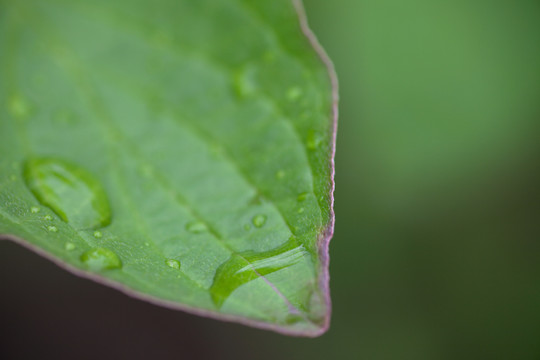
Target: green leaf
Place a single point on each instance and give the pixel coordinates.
(179, 151)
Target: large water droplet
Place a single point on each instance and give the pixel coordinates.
(172, 263)
(259, 220)
(245, 267)
(74, 194)
(101, 259)
(196, 227)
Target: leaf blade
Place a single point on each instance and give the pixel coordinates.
(132, 99)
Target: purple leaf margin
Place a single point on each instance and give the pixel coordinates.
(323, 241)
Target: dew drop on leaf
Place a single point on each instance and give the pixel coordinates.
(294, 93)
(314, 140)
(73, 193)
(172, 263)
(302, 197)
(47, 217)
(52, 228)
(101, 259)
(259, 220)
(98, 234)
(34, 209)
(69, 246)
(196, 227)
(19, 107)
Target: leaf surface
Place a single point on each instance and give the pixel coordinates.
(180, 151)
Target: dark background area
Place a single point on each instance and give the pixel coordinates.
(437, 244)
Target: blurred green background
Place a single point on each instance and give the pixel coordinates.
(437, 244)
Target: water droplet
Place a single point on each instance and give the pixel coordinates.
(314, 140)
(65, 116)
(47, 217)
(280, 174)
(69, 246)
(196, 227)
(245, 267)
(259, 220)
(34, 209)
(302, 197)
(12, 177)
(70, 191)
(245, 83)
(293, 319)
(98, 234)
(19, 107)
(147, 244)
(301, 210)
(101, 259)
(172, 263)
(52, 228)
(294, 93)
(247, 227)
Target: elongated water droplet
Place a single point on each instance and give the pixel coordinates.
(98, 234)
(314, 140)
(74, 194)
(245, 267)
(172, 263)
(69, 246)
(101, 259)
(34, 209)
(52, 228)
(196, 227)
(259, 220)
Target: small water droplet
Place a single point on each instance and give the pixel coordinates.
(280, 174)
(259, 220)
(34, 209)
(147, 244)
(19, 107)
(294, 93)
(314, 140)
(47, 217)
(69, 246)
(101, 259)
(98, 234)
(52, 228)
(245, 83)
(196, 227)
(302, 197)
(301, 210)
(65, 116)
(172, 263)
(74, 194)
(247, 227)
